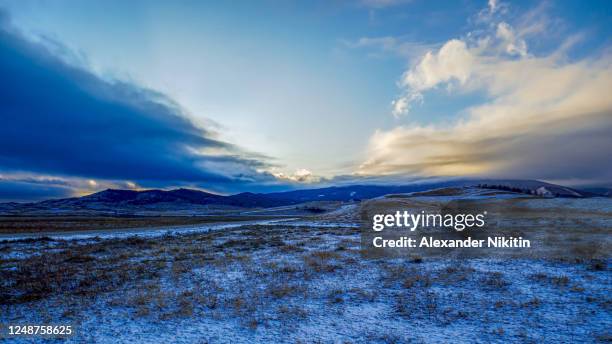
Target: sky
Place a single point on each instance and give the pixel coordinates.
(274, 95)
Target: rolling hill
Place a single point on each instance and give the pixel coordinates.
(190, 201)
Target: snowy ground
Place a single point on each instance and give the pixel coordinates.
(304, 282)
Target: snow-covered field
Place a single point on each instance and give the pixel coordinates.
(139, 232)
(301, 282)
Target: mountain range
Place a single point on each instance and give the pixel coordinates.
(115, 201)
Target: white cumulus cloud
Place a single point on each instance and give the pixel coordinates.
(544, 116)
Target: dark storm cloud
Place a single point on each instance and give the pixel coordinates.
(27, 190)
(58, 119)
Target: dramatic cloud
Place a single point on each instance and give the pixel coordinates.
(28, 189)
(61, 120)
(543, 116)
(24, 187)
(299, 176)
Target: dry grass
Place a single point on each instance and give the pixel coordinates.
(37, 224)
(167, 278)
(261, 277)
(285, 290)
(288, 312)
(322, 261)
(559, 281)
(494, 281)
(454, 274)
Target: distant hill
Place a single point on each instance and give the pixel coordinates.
(602, 191)
(148, 196)
(537, 188)
(189, 201)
